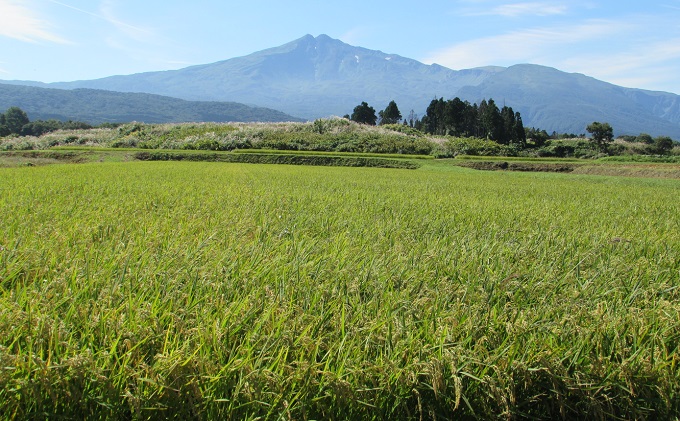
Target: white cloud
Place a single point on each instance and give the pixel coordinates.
(529, 9)
(522, 46)
(18, 21)
(355, 36)
(640, 51)
(516, 9)
(107, 10)
(651, 64)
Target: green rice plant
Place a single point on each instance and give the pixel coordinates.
(204, 290)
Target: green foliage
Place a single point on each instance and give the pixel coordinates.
(15, 119)
(323, 135)
(403, 129)
(204, 291)
(462, 119)
(364, 114)
(643, 158)
(644, 138)
(569, 148)
(105, 106)
(663, 144)
(290, 159)
(454, 146)
(602, 133)
(391, 114)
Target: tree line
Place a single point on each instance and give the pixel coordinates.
(15, 121)
(453, 117)
(504, 126)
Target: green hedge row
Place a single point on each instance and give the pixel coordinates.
(317, 160)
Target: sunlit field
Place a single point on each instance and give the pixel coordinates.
(198, 290)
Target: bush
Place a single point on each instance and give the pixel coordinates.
(455, 146)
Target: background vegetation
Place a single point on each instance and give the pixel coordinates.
(99, 106)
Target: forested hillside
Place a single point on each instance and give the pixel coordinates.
(98, 106)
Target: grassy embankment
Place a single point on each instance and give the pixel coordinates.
(322, 142)
(203, 290)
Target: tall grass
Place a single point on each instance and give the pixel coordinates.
(330, 135)
(225, 291)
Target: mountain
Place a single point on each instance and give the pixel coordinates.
(567, 102)
(309, 77)
(98, 106)
(319, 76)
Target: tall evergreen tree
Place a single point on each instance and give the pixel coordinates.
(520, 135)
(490, 120)
(4, 130)
(391, 114)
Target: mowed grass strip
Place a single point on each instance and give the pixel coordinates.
(230, 291)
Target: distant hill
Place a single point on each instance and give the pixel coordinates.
(319, 76)
(99, 106)
(567, 102)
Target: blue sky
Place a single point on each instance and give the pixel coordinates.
(630, 43)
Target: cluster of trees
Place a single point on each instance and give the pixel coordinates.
(15, 121)
(460, 118)
(659, 144)
(365, 114)
(603, 134)
(453, 118)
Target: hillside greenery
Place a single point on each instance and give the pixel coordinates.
(327, 135)
(99, 106)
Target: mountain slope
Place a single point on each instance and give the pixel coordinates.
(317, 77)
(567, 102)
(98, 106)
(309, 77)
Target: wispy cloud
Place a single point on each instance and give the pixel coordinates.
(107, 10)
(106, 14)
(522, 46)
(18, 21)
(515, 9)
(355, 36)
(645, 64)
(529, 9)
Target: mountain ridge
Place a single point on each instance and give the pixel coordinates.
(314, 77)
(99, 106)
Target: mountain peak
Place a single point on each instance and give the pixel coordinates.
(318, 76)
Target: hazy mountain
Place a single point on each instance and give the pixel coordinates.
(567, 102)
(309, 77)
(317, 77)
(98, 106)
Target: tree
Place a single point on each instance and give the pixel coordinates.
(412, 118)
(391, 114)
(644, 138)
(15, 119)
(537, 136)
(4, 130)
(602, 133)
(519, 136)
(663, 144)
(490, 120)
(364, 114)
(434, 117)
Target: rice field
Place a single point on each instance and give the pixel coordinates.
(198, 290)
